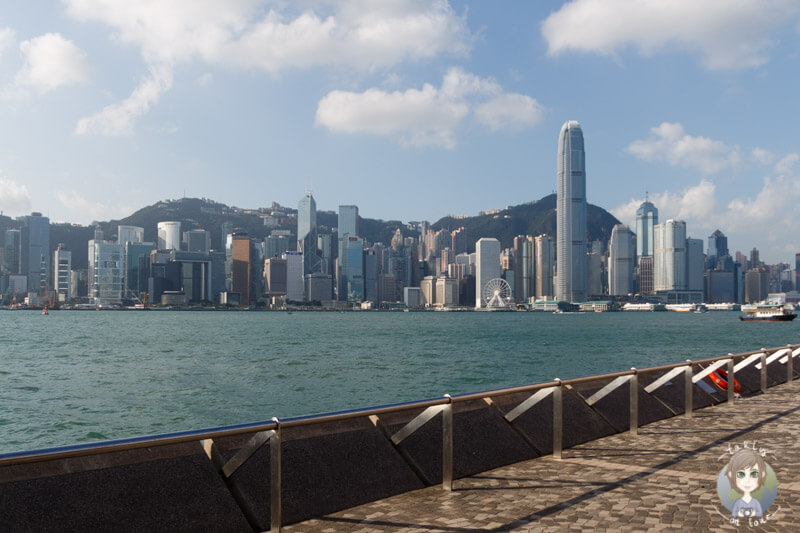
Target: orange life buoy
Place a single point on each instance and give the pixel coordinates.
(720, 379)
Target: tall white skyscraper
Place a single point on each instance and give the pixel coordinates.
(487, 251)
(169, 235)
(646, 219)
(620, 261)
(669, 256)
(571, 215)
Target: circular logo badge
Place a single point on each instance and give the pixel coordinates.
(747, 486)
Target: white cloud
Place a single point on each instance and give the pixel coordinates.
(14, 198)
(726, 34)
(428, 116)
(249, 34)
(50, 62)
(79, 207)
(765, 157)
(118, 119)
(765, 219)
(786, 164)
(6, 39)
(670, 143)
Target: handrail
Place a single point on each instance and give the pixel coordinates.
(132, 443)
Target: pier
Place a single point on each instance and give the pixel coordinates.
(634, 450)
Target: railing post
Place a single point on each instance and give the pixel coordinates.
(634, 403)
(763, 371)
(731, 381)
(558, 420)
(688, 392)
(447, 444)
(789, 365)
(275, 479)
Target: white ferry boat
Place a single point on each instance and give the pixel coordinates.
(767, 311)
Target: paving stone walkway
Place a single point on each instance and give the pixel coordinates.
(664, 479)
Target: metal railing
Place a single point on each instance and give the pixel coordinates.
(270, 432)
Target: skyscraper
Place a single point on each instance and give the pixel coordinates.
(646, 219)
(169, 235)
(307, 234)
(717, 248)
(487, 251)
(571, 214)
(35, 252)
(669, 252)
(620, 261)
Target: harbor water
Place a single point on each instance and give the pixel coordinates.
(83, 376)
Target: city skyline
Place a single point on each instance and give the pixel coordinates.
(112, 106)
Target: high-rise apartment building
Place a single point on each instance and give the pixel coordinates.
(169, 235)
(669, 257)
(620, 261)
(571, 215)
(646, 219)
(524, 267)
(487, 260)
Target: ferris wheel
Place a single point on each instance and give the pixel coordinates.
(496, 293)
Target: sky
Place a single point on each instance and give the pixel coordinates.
(409, 109)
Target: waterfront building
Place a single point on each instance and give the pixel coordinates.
(169, 235)
(388, 288)
(756, 285)
(35, 252)
(294, 276)
(370, 271)
(596, 275)
(695, 264)
(427, 288)
(351, 274)
(106, 272)
(17, 285)
(447, 258)
(275, 277)
(412, 297)
(137, 266)
(571, 215)
(646, 281)
(524, 267)
(720, 286)
(646, 219)
(446, 291)
(620, 261)
(487, 264)
(669, 256)
(62, 279)
(12, 249)
(543, 264)
(127, 234)
(307, 234)
(318, 287)
(241, 257)
(197, 240)
(347, 227)
(797, 272)
(226, 228)
(325, 251)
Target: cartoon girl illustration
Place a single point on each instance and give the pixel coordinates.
(747, 473)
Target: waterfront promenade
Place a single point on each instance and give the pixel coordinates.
(664, 479)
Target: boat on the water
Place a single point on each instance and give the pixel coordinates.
(767, 311)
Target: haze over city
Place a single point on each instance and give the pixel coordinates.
(410, 110)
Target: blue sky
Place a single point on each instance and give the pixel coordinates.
(410, 110)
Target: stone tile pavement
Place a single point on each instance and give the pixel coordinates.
(664, 479)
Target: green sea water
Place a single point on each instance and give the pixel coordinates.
(81, 376)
